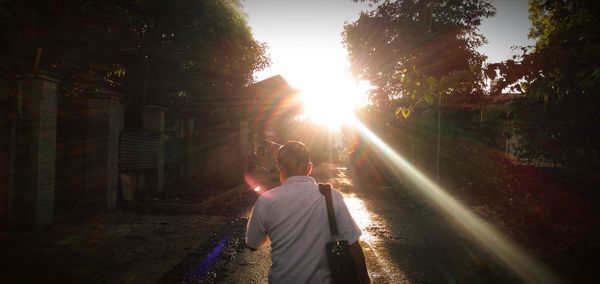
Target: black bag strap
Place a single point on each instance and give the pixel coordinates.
(325, 189)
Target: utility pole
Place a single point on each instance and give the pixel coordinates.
(439, 124)
(439, 127)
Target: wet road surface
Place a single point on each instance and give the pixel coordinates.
(404, 240)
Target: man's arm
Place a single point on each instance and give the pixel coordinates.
(359, 261)
(255, 230)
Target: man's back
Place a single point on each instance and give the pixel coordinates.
(294, 217)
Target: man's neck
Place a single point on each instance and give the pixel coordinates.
(283, 178)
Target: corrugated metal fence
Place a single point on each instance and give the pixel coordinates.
(138, 150)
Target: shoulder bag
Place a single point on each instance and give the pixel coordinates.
(341, 263)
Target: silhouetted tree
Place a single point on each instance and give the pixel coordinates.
(183, 54)
(558, 112)
(413, 51)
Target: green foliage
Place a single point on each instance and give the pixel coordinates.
(179, 53)
(558, 111)
(404, 111)
(414, 51)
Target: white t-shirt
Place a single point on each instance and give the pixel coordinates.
(294, 217)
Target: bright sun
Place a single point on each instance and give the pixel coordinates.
(329, 92)
(332, 100)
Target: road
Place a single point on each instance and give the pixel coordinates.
(405, 241)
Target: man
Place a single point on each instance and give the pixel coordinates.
(293, 217)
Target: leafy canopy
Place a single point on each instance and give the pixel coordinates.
(413, 51)
(177, 53)
(559, 108)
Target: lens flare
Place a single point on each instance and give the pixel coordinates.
(507, 252)
(253, 184)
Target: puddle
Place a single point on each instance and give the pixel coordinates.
(361, 215)
(374, 232)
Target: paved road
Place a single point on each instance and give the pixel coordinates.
(404, 241)
(420, 244)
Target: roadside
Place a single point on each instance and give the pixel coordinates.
(117, 247)
(224, 253)
(122, 246)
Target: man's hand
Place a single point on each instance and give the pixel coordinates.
(359, 261)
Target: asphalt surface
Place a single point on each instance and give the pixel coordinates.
(404, 240)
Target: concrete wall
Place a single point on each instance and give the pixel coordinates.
(219, 157)
(64, 152)
(71, 151)
(88, 149)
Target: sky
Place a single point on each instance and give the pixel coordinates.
(508, 28)
(305, 47)
(304, 37)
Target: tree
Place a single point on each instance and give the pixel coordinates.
(413, 51)
(558, 110)
(183, 54)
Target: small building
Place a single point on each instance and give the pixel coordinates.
(271, 105)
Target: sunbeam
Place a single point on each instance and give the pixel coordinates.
(514, 257)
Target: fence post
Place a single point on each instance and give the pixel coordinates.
(104, 116)
(5, 145)
(190, 169)
(154, 120)
(35, 151)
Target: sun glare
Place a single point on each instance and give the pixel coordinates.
(515, 257)
(332, 101)
(330, 94)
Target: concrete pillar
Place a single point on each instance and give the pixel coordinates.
(154, 120)
(35, 151)
(5, 164)
(104, 116)
(190, 156)
(244, 150)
